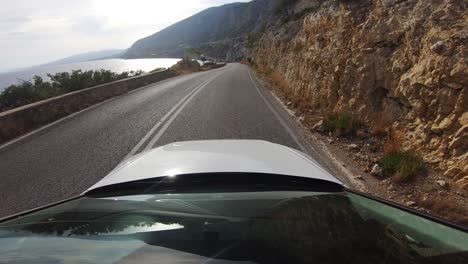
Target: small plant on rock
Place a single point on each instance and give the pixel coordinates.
(341, 123)
(400, 165)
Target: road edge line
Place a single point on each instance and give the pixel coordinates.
(278, 116)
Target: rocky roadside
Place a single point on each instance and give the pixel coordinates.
(358, 155)
(402, 62)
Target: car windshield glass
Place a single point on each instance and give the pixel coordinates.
(227, 227)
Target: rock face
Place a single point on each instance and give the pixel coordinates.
(405, 59)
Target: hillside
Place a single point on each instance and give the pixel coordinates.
(88, 56)
(219, 32)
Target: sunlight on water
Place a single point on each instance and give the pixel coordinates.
(116, 65)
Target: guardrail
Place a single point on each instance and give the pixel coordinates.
(21, 120)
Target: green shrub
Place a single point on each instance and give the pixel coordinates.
(60, 83)
(186, 65)
(158, 69)
(402, 165)
(341, 123)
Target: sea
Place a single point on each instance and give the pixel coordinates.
(115, 65)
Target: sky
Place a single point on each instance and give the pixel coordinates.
(33, 32)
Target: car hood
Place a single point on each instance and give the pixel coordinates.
(216, 156)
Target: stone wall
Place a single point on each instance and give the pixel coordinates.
(405, 60)
(21, 120)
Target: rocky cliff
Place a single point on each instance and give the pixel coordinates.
(402, 60)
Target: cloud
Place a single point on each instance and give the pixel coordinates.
(34, 32)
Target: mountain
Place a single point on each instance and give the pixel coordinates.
(88, 56)
(219, 32)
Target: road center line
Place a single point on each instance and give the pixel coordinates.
(145, 138)
(168, 123)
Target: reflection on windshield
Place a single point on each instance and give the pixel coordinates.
(260, 227)
(155, 227)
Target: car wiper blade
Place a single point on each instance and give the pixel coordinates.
(216, 182)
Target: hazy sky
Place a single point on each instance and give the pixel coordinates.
(34, 32)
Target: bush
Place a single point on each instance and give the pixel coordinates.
(158, 69)
(17, 95)
(402, 165)
(60, 83)
(341, 123)
(186, 65)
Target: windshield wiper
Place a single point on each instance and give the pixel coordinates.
(216, 182)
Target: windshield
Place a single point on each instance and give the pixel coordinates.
(227, 227)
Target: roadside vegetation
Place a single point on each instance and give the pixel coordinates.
(341, 123)
(186, 65)
(38, 89)
(189, 65)
(158, 69)
(399, 164)
(402, 165)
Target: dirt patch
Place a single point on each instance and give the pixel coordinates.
(359, 152)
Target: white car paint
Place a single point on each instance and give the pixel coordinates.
(191, 157)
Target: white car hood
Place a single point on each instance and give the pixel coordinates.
(192, 157)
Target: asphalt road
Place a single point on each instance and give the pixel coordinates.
(69, 156)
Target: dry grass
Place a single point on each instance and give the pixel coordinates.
(245, 61)
(400, 165)
(279, 81)
(381, 124)
(260, 67)
(300, 102)
(393, 142)
(445, 208)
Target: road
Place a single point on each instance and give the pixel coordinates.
(66, 158)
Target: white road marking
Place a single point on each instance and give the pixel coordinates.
(166, 126)
(280, 119)
(76, 113)
(145, 138)
(54, 123)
